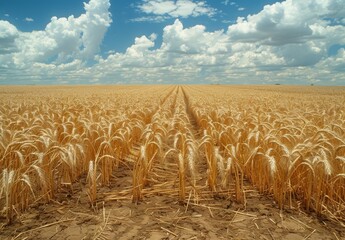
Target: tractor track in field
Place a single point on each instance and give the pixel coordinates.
(192, 120)
(201, 163)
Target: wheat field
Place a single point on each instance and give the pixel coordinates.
(183, 142)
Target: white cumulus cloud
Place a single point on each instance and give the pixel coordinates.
(286, 22)
(8, 34)
(297, 31)
(63, 39)
(193, 40)
(142, 44)
(177, 8)
(287, 42)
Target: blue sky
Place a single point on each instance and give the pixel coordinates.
(172, 42)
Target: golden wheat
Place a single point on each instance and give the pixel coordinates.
(288, 145)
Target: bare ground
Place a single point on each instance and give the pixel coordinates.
(161, 216)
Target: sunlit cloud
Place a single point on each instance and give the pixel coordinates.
(174, 9)
(287, 41)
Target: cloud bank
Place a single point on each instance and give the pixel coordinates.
(287, 42)
(64, 40)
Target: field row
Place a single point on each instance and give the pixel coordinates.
(184, 141)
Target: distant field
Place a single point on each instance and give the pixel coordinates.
(196, 145)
